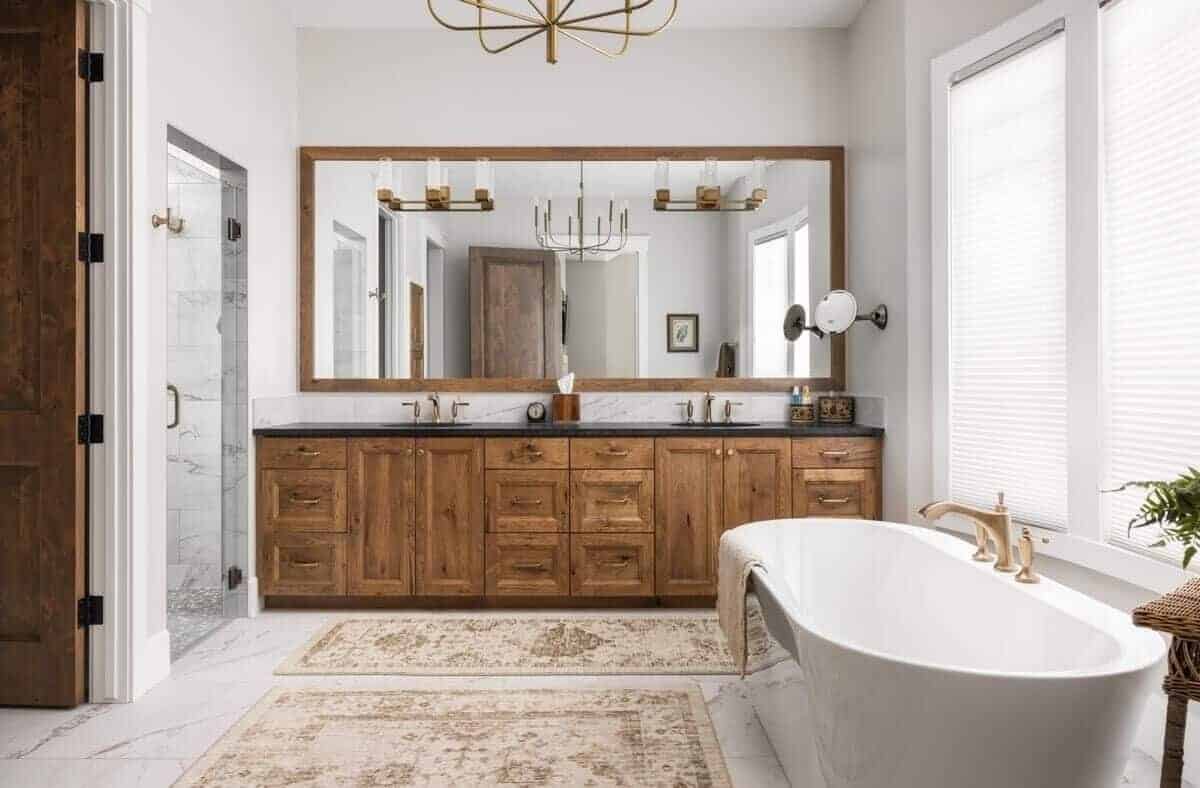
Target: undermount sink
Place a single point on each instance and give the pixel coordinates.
(425, 424)
(722, 424)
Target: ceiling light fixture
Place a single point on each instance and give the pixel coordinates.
(708, 191)
(553, 21)
(576, 242)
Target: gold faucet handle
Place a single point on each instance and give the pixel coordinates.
(416, 406)
(1000, 506)
(982, 553)
(1026, 552)
(689, 411)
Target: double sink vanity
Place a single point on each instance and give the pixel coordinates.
(407, 285)
(543, 514)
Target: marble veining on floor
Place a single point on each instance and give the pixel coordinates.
(151, 743)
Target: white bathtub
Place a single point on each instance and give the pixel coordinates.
(916, 666)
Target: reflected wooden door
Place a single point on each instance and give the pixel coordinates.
(42, 379)
(416, 323)
(516, 313)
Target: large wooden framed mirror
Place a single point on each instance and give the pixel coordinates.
(394, 297)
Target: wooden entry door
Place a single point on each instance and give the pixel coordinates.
(516, 313)
(42, 378)
(416, 329)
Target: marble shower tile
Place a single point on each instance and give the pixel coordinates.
(199, 312)
(200, 207)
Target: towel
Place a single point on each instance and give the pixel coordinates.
(735, 562)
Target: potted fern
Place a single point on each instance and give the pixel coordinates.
(1174, 507)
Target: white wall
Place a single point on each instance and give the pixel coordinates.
(394, 87)
(223, 72)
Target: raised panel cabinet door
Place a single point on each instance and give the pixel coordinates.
(516, 313)
(607, 565)
(527, 501)
(450, 527)
(689, 516)
(839, 493)
(528, 565)
(299, 564)
(311, 500)
(43, 207)
(382, 515)
(758, 480)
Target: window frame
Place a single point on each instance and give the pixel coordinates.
(786, 227)
(1085, 540)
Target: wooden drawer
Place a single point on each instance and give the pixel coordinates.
(612, 501)
(835, 452)
(847, 493)
(527, 453)
(313, 500)
(296, 563)
(612, 565)
(528, 565)
(302, 453)
(612, 453)
(527, 501)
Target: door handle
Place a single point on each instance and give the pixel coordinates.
(174, 392)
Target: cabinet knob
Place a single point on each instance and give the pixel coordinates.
(716, 452)
(420, 452)
(730, 452)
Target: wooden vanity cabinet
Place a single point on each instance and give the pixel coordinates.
(837, 477)
(449, 517)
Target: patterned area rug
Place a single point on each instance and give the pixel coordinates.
(472, 737)
(506, 645)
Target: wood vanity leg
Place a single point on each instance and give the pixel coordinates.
(1172, 765)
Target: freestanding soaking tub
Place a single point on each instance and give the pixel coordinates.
(916, 667)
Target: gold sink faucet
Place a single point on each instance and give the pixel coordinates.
(996, 524)
(437, 408)
(709, 399)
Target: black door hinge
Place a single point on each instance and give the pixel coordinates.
(91, 66)
(91, 248)
(235, 577)
(91, 428)
(233, 230)
(91, 611)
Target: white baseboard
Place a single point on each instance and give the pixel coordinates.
(253, 600)
(153, 664)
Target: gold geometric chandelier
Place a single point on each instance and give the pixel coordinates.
(553, 21)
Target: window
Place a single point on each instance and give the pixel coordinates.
(778, 278)
(1008, 354)
(1151, 273)
(1066, 269)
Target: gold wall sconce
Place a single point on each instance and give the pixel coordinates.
(708, 191)
(174, 223)
(438, 197)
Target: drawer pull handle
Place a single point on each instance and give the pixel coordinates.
(305, 564)
(612, 501)
(835, 455)
(525, 501)
(832, 501)
(303, 452)
(614, 452)
(529, 566)
(616, 564)
(304, 501)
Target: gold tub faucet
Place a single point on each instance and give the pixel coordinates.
(996, 524)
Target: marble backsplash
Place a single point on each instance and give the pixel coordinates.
(510, 408)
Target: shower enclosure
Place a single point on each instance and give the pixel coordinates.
(207, 494)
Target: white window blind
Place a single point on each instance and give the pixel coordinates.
(1151, 270)
(1008, 356)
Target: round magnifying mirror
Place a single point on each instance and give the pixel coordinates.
(837, 311)
(794, 322)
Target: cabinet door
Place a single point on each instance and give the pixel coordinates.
(612, 501)
(299, 564)
(758, 483)
(849, 492)
(449, 504)
(688, 515)
(304, 500)
(612, 565)
(528, 565)
(382, 491)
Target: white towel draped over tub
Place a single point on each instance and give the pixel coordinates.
(740, 615)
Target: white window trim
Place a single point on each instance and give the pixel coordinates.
(784, 228)
(1084, 542)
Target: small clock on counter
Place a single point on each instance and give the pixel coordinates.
(536, 413)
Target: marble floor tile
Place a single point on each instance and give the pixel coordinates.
(150, 743)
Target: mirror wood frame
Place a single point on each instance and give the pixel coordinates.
(310, 155)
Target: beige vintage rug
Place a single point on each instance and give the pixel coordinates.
(364, 738)
(507, 645)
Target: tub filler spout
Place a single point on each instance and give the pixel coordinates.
(996, 524)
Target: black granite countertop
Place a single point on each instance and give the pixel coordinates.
(580, 430)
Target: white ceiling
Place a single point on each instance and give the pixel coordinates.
(693, 14)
